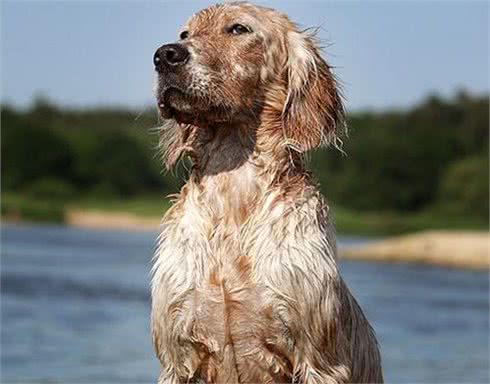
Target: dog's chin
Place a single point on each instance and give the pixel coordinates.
(188, 109)
(172, 103)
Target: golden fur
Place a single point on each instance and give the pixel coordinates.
(245, 285)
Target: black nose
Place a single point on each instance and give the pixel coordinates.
(170, 55)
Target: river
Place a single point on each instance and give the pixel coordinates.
(75, 309)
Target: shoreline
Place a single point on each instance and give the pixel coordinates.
(93, 219)
(463, 249)
(453, 249)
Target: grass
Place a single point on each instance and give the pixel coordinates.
(17, 207)
(23, 207)
(391, 223)
(147, 206)
(28, 208)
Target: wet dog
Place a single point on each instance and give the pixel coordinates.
(245, 285)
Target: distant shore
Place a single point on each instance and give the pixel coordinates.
(145, 212)
(457, 249)
(110, 220)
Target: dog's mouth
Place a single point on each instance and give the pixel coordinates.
(174, 103)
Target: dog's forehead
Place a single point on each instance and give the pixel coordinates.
(220, 15)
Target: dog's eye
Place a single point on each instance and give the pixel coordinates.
(184, 35)
(239, 29)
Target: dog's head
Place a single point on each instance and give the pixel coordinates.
(238, 61)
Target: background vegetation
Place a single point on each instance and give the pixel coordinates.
(426, 167)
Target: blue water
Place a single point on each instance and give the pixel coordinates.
(75, 309)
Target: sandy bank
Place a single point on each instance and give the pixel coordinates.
(459, 249)
(111, 220)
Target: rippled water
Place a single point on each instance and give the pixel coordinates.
(75, 309)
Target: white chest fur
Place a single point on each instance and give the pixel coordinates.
(233, 255)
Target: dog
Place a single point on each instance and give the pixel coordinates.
(245, 284)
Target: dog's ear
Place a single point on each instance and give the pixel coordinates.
(313, 113)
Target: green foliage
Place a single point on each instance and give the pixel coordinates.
(464, 187)
(31, 151)
(395, 160)
(117, 162)
(104, 152)
(18, 207)
(398, 164)
(51, 188)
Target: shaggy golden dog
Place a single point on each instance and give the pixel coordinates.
(245, 285)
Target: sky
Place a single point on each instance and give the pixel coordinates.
(388, 54)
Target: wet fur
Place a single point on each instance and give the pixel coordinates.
(245, 285)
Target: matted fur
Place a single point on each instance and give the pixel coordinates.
(245, 285)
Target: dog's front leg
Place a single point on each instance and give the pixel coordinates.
(294, 252)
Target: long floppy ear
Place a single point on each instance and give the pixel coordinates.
(313, 113)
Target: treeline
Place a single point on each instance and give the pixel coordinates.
(431, 157)
(71, 153)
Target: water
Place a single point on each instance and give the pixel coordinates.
(75, 309)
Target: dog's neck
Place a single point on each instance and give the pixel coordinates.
(222, 150)
(232, 170)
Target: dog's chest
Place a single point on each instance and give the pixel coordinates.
(238, 241)
(205, 288)
(205, 232)
(222, 279)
